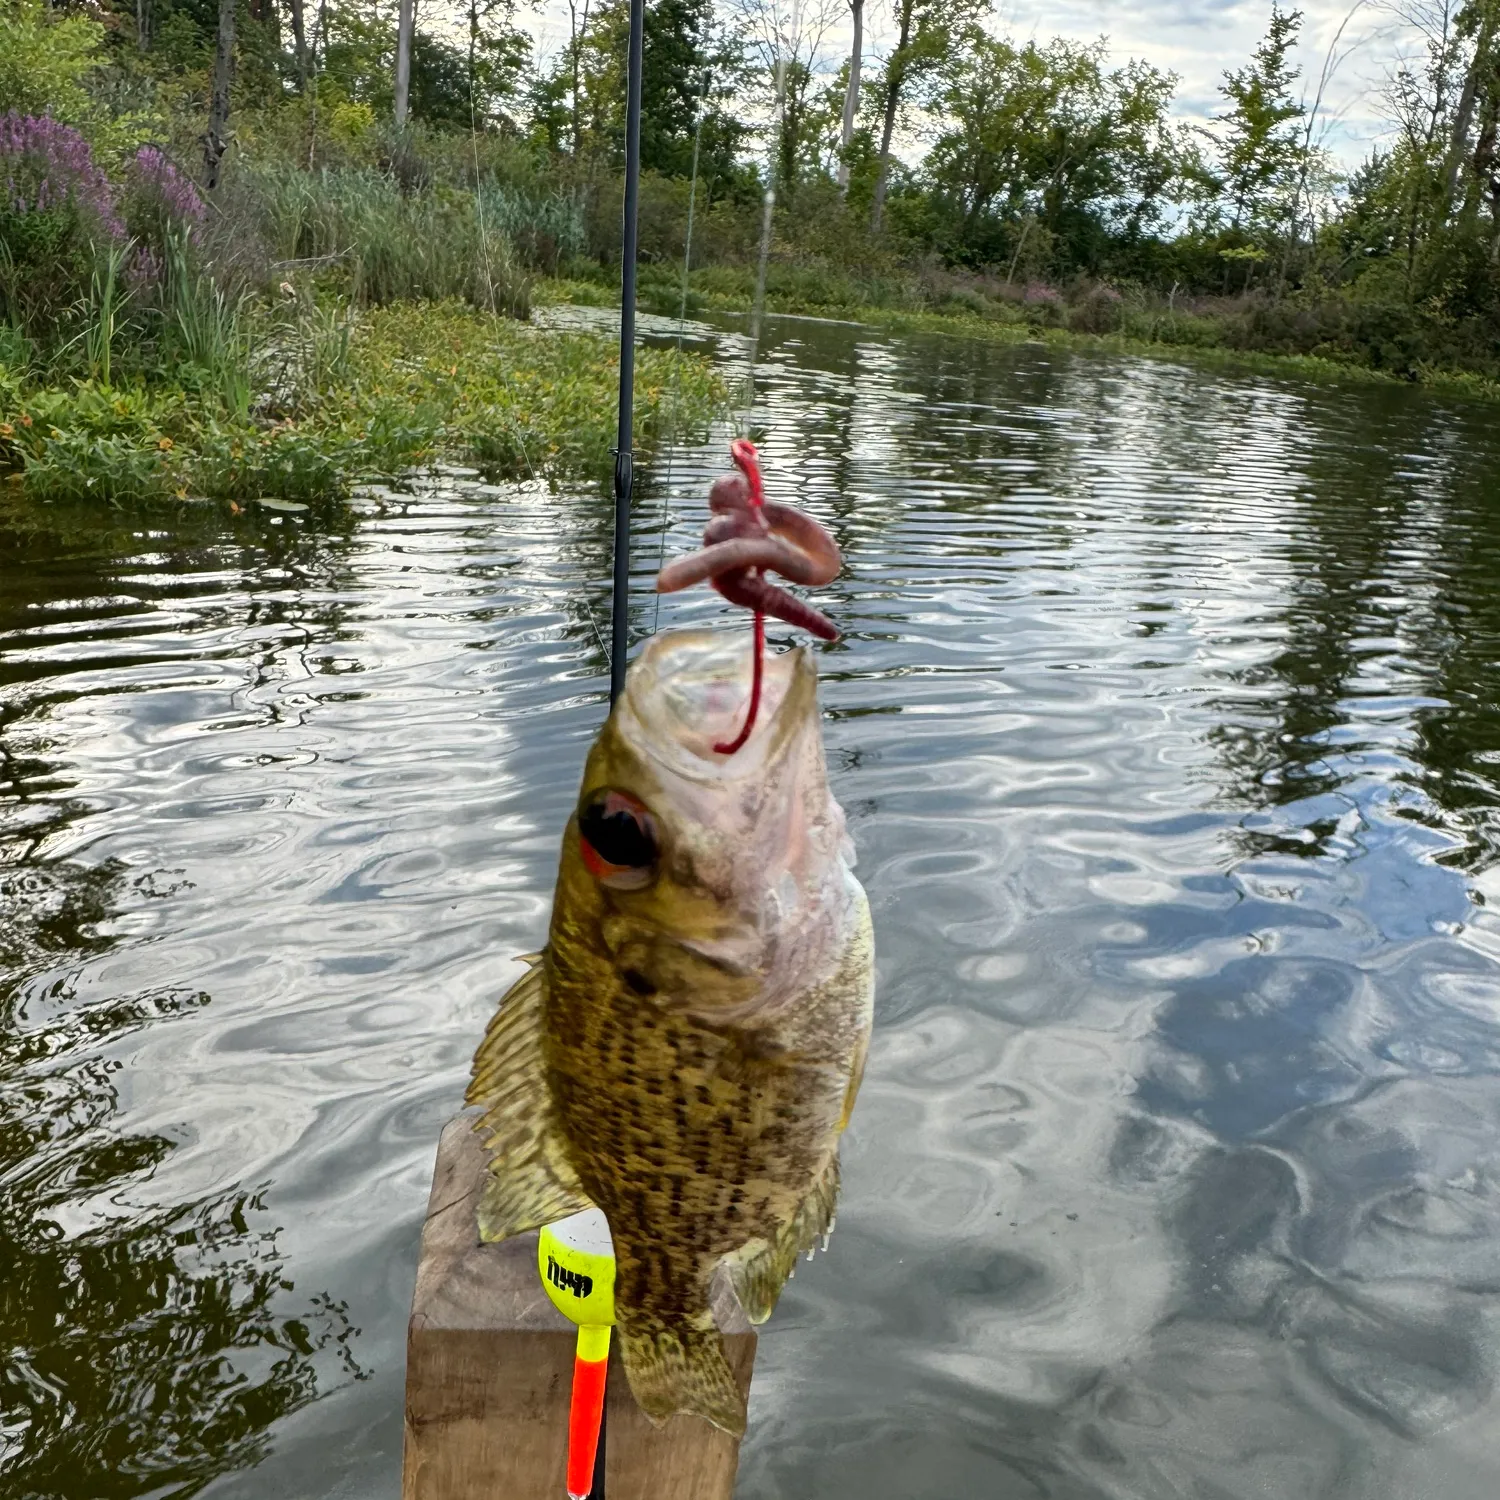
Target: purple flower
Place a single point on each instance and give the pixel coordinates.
(49, 168)
(151, 176)
(1039, 294)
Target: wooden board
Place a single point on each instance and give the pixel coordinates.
(489, 1366)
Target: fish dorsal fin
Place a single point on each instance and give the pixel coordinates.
(760, 1269)
(531, 1182)
(681, 1369)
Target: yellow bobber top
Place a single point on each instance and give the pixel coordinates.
(576, 1257)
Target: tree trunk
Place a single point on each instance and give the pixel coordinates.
(895, 81)
(1463, 117)
(882, 172)
(578, 29)
(851, 94)
(299, 36)
(216, 142)
(473, 50)
(142, 25)
(404, 25)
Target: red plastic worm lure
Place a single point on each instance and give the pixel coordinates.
(745, 536)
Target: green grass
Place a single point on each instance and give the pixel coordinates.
(399, 388)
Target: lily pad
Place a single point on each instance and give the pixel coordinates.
(291, 507)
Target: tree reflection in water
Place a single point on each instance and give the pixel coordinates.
(148, 1347)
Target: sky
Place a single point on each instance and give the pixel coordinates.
(1196, 39)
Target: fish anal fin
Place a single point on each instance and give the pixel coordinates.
(531, 1182)
(682, 1370)
(760, 1269)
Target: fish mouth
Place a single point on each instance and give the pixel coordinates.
(689, 690)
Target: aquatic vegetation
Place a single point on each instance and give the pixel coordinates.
(358, 399)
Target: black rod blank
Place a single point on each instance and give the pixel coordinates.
(624, 445)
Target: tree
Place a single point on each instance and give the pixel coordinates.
(1259, 147)
(496, 60)
(406, 20)
(1477, 19)
(851, 92)
(681, 44)
(1045, 137)
(926, 31)
(215, 141)
(1420, 100)
(299, 39)
(788, 47)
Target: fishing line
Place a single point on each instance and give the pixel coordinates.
(687, 262)
(768, 207)
(743, 450)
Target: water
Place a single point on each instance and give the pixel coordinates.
(1167, 726)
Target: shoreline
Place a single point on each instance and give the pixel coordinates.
(1435, 379)
(403, 387)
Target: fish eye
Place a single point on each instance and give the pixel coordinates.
(617, 838)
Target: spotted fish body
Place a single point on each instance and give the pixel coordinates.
(687, 1050)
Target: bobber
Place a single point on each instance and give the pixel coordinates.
(576, 1258)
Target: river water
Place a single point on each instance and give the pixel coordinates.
(1166, 721)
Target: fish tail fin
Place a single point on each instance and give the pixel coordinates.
(531, 1181)
(682, 1369)
(760, 1270)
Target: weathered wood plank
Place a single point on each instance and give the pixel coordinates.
(490, 1364)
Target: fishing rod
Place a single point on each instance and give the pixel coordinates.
(624, 444)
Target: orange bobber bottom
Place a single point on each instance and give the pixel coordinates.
(585, 1413)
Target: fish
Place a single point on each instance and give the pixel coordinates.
(685, 1052)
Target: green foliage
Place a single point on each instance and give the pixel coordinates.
(348, 401)
(1044, 145)
(1258, 145)
(205, 333)
(579, 109)
(46, 61)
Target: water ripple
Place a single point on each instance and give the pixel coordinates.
(1166, 723)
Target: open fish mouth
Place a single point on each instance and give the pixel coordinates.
(688, 692)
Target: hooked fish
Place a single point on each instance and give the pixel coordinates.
(685, 1052)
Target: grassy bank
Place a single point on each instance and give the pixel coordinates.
(308, 402)
(1326, 338)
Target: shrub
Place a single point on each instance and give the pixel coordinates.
(57, 212)
(158, 199)
(1043, 305)
(45, 59)
(1100, 310)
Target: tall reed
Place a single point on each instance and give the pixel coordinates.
(102, 308)
(357, 224)
(205, 329)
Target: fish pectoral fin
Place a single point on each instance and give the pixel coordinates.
(682, 1370)
(531, 1181)
(760, 1269)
